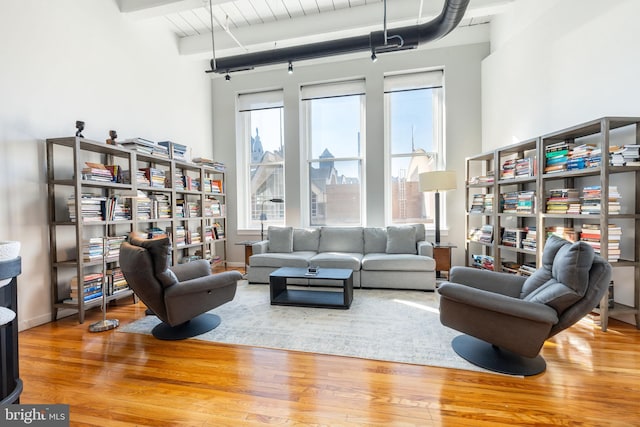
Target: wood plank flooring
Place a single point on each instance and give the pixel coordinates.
(122, 379)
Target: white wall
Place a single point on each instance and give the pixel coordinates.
(463, 132)
(558, 63)
(69, 60)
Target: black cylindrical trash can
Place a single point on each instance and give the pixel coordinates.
(10, 383)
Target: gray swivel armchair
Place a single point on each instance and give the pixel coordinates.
(507, 318)
(181, 295)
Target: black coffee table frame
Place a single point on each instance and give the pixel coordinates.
(320, 298)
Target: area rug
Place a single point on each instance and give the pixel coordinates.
(382, 324)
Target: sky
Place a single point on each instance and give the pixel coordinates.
(336, 124)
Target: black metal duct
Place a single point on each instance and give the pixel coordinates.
(397, 39)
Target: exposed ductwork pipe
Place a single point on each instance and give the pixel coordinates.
(401, 38)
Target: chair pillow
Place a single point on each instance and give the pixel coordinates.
(564, 276)
(159, 249)
(280, 239)
(401, 239)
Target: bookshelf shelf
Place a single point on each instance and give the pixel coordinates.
(69, 234)
(610, 212)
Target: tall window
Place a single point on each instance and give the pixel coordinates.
(414, 140)
(334, 135)
(260, 159)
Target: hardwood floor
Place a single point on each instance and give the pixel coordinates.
(123, 379)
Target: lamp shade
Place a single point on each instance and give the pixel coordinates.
(437, 181)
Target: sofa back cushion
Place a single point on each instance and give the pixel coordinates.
(306, 239)
(341, 239)
(375, 240)
(419, 232)
(280, 239)
(401, 239)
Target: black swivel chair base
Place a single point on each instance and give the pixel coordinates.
(496, 359)
(196, 326)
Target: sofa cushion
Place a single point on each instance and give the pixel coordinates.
(375, 240)
(346, 260)
(280, 239)
(341, 239)
(159, 249)
(294, 259)
(397, 262)
(564, 276)
(401, 239)
(306, 239)
(420, 236)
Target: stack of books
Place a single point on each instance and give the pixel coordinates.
(91, 207)
(591, 234)
(91, 288)
(584, 156)
(176, 151)
(527, 269)
(510, 202)
(526, 167)
(145, 146)
(477, 203)
(567, 233)
(508, 170)
(526, 202)
(560, 199)
(155, 176)
(486, 234)
(557, 156)
(160, 206)
(529, 242)
(483, 261)
(512, 237)
(144, 206)
(92, 249)
(180, 237)
(591, 200)
(97, 172)
(218, 166)
(474, 234)
(627, 155)
(487, 203)
(115, 281)
(510, 267)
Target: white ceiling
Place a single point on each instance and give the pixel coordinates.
(243, 26)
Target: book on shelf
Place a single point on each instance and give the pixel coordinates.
(483, 261)
(477, 203)
(512, 237)
(486, 233)
(567, 233)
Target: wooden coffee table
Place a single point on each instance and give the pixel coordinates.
(280, 295)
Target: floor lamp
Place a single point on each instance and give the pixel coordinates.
(263, 216)
(107, 324)
(437, 181)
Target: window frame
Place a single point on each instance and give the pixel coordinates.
(245, 104)
(334, 89)
(406, 81)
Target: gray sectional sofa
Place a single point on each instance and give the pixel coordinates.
(392, 257)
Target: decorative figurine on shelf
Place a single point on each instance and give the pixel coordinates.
(112, 138)
(80, 127)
